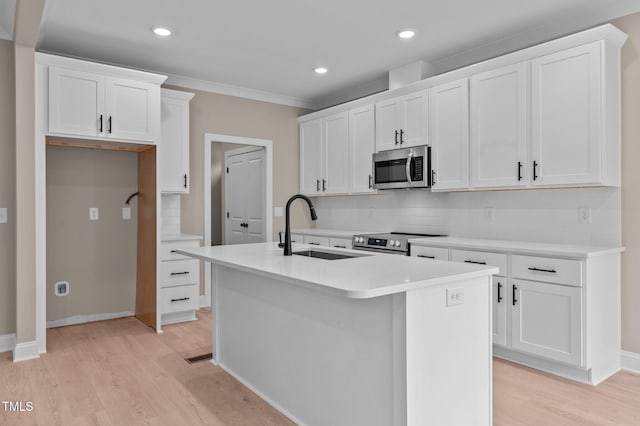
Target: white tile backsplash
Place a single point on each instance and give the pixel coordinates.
(543, 215)
(170, 205)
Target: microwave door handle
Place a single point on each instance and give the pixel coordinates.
(408, 168)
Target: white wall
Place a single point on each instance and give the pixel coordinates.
(550, 215)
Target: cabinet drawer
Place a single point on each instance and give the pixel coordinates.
(167, 249)
(482, 258)
(340, 242)
(180, 272)
(316, 241)
(547, 269)
(437, 253)
(179, 298)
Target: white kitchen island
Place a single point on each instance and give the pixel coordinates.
(372, 340)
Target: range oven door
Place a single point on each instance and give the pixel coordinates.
(402, 168)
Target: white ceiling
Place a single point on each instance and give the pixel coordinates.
(262, 48)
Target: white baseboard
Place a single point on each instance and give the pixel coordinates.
(204, 301)
(81, 319)
(630, 361)
(26, 351)
(7, 342)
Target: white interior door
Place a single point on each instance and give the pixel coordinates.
(245, 188)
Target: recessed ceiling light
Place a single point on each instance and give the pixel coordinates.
(406, 34)
(163, 32)
(320, 70)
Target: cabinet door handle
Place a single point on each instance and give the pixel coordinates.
(180, 300)
(475, 261)
(314, 244)
(396, 137)
(551, 271)
(535, 170)
(370, 181)
(337, 246)
(499, 293)
(173, 274)
(401, 136)
(185, 180)
(110, 122)
(324, 185)
(317, 185)
(425, 256)
(513, 296)
(100, 123)
(433, 177)
(519, 171)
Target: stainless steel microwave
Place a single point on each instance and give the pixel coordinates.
(402, 168)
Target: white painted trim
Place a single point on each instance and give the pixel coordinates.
(240, 92)
(82, 319)
(7, 342)
(204, 303)
(630, 361)
(208, 139)
(26, 351)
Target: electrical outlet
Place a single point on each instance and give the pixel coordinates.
(126, 213)
(93, 213)
(584, 215)
(455, 296)
(490, 213)
(3, 215)
(61, 288)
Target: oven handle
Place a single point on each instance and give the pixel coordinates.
(408, 168)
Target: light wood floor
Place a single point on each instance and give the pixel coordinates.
(120, 372)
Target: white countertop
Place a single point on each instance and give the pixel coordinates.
(363, 277)
(518, 247)
(180, 237)
(336, 233)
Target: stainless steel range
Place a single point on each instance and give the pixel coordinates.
(393, 242)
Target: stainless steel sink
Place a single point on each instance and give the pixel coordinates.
(327, 255)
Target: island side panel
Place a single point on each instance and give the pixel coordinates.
(449, 368)
(320, 359)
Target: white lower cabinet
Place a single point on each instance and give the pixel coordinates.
(554, 313)
(546, 320)
(315, 240)
(179, 295)
(499, 310)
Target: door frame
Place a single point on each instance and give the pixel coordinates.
(208, 139)
(240, 151)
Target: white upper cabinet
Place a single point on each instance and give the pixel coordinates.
(402, 121)
(335, 176)
(311, 157)
(97, 105)
(324, 155)
(449, 126)
(76, 102)
(567, 113)
(362, 144)
(173, 152)
(498, 119)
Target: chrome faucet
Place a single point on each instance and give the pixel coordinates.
(287, 228)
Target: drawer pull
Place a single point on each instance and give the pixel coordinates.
(340, 246)
(551, 271)
(314, 244)
(173, 274)
(514, 300)
(475, 262)
(499, 293)
(180, 300)
(427, 257)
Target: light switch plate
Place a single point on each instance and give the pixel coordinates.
(3, 215)
(93, 213)
(455, 296)
(277, 211)
(126, 213)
